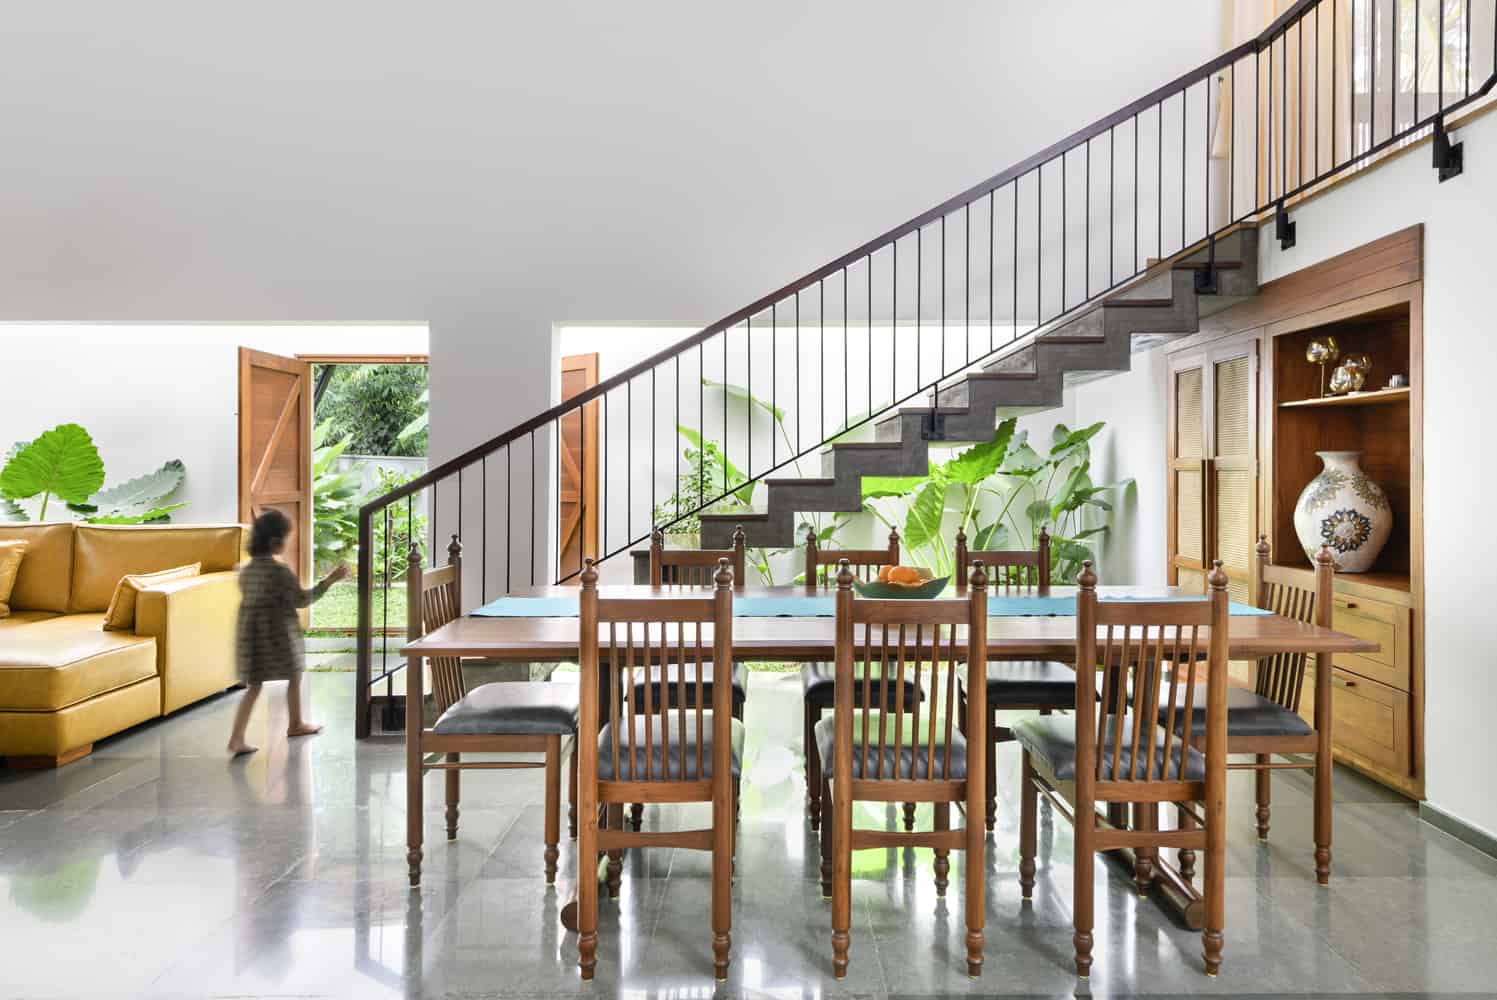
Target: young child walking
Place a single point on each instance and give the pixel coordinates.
(268, 643)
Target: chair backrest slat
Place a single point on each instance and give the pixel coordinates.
(1301, 597)
(655, 634)
(915, 644)
(694, 567)
(1120, 740)
(433, 599)
(822, 564)
(1007, 569)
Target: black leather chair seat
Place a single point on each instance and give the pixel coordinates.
(1052, 740)
(1248, 714)
(879, 761)
(1030, 684)
(652, 681)
(513, 708)
(665, 748)
(819, 686)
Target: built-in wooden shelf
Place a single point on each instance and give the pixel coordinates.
(1371, 398)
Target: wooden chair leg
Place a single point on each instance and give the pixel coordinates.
(587, 885)
(1187, 854)
(909, 817)
(841, 831)
(615, 814)
(414, 772)
(637, 815)
(1323, 814)
(572, 793)
(1261, 776)
(453, 792)
(553, 806)
(722, 883)
(1212, 892)
(826, 838)
(1029, 803)
(1145, 820)
(1085, 862)
(812, 715)
(943, 855)
(990, 807)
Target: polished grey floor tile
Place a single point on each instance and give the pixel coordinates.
(159, 868)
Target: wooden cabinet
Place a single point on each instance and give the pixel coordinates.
(1370, 301)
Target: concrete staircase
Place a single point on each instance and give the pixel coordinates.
(1025, 377)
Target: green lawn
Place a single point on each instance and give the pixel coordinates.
(339, 607)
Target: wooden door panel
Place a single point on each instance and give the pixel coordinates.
(275, 446)
(577, 495)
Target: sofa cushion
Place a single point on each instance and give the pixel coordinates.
(11, 551)
(18, 618)
(104, 554)
(54, 662)
(46, 575)
(120, 614)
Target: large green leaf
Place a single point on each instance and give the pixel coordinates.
(742, 395)
(1038, 512)
(981, 460)
(1066, 442)
(62, 462)
(11, 511)
(153, 515)
(1023, 461)
(1066, 500)
(923, 522)
(135, 496)
(875, 487)
(421, 421)
(992, 537)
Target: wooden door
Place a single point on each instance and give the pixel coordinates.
(1213, 464)
(577, 499)
(275, 446)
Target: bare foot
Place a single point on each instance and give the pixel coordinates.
(305, 729)
(241, 748)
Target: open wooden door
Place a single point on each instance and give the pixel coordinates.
(577, 502)
(275, 446)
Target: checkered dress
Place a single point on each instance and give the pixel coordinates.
(268, 641)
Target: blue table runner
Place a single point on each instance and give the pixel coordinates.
(821, 606)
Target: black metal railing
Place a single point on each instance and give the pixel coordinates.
(1326, 87)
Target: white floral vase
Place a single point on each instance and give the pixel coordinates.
(1344, 509)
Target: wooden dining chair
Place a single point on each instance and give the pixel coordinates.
(661, 754)
(872, 754)
(1119, 757)
(505, 717)
(1044, 686)
(818, 679)
(1264, 721)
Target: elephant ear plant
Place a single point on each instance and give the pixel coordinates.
(1000, 492)
(62, 466)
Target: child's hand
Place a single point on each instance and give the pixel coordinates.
(339, 572)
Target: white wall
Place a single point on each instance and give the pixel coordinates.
(494, 169)
(1460, 353)
(148, 393)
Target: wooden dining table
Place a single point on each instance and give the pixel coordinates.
(521, 637)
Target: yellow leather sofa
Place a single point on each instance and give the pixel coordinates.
(66, 682)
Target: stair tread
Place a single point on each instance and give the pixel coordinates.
(1141, 303)
(802, 481)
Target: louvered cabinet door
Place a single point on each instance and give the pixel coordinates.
(1213, 465)
(1187, 472)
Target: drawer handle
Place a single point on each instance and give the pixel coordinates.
(1348, 605)
(1346, 683)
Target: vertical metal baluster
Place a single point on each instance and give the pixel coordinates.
(1159, 189)
(653, 411)
(1439, 59)
(509, 517)
(774, 374)
(941, 371)
(1232, 138)
(1258, 128)
(1086, 216)
(1184, 117)
(1351, 80)
(460, 502)
(1466, 22)
(1039, 245)
(674, 464)
(798, 448)
(869, 261)
(894, 327)
(1013, 333)
(1206, 166)
(629, 460)
(384, 624)
(846, 382)
(749, 387)
(1299, 96)
(821, 357)
(1284, 112)
(967, 281)
(483, 529)
(1372, 76)
(1111, 280)
(556, 433)
(1064, 189)
(992, 269)
(607, 462)
(725, 412)
(531, 550)
(1392, 90)
(919, 305)
(701, 418)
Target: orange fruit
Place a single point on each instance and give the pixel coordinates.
(883, 573)
(905, 575)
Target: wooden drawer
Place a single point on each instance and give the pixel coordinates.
(1372, 720)
(1388, 625)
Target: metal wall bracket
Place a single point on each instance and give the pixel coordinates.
(1283, 228)
(1449, 157)
(1206, 277)
(933, 426)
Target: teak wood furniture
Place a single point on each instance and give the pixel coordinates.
(661, 754)
(818, 680)
(1117, 755)
(1242, 448)
(872, 755)
(1036, 685)
(501, 717)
